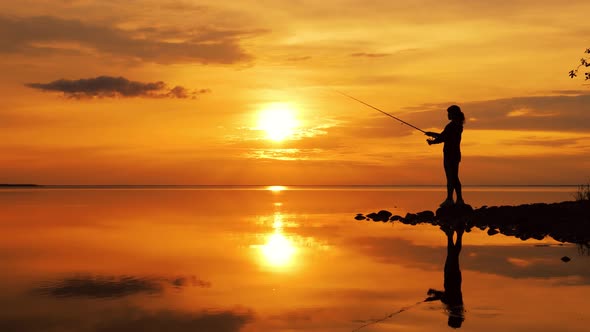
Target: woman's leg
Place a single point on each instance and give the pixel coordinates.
(453, 182)
(449, 172)
(457, 183)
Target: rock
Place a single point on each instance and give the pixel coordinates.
(454, 211)
(565, 222)
(425, 215)
(360, 216)
(410, 215)
(384, 214)
(411, 218)
(565, 259)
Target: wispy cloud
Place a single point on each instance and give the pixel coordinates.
(113, 287)
(370, 55)
(221, 321)
(109, 87)
(528, 113)
(45, 34)
(130, 318)
(299, 58)
(568, 111)
(548, 141)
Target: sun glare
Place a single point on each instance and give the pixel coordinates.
(276, 189)
(278, 250)
(278, 121)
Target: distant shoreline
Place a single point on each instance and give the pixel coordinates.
(19, 185)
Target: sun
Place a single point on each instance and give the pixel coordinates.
(278, 121)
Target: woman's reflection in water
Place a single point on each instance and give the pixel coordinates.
(451, 296)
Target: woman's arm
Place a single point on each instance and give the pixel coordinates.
(439, 138)
(435, 137)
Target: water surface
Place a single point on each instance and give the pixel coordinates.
(287, 259)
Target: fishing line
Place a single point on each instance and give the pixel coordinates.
(377, 109)
(375, 321)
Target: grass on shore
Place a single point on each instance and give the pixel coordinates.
(583, 193)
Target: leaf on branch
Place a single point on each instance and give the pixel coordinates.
(584, 62)
(572, 74)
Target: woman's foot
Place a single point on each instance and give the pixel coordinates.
(447, 203)
(460, 201)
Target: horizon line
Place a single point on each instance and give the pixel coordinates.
(34, 185)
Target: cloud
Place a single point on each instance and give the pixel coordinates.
(568, 111)
(43, 34)
(570, 92)
(299, 58)
(113, 287)
(184, 6)
(527, 113)
(129, 319)
(372, 125)
(370, 55)
(546, 141)
(335, 134)
(107, 86)
(223, 321)
(329, 141)
(522, 170)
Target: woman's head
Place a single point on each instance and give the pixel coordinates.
(455, 114)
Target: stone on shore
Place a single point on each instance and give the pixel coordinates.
(565, 222)
(454, 211)
(382, 215)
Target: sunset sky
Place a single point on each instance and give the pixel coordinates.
(244, 92)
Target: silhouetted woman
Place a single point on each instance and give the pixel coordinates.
(451, 136)
(452, 296)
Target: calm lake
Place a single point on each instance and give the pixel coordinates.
(274, 259)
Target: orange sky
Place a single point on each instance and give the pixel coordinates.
(504, 63)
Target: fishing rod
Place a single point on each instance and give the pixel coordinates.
(375, 108)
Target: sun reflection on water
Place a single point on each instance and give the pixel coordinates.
(276, 189)
(278, 250)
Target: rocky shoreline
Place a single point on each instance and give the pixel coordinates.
(565, 221)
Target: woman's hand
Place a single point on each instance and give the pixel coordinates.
(430, 141)
(431, 134)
